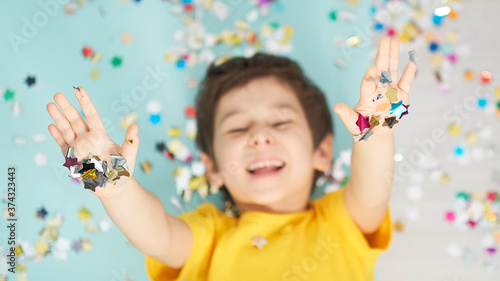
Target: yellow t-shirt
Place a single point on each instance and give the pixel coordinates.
(322, 243)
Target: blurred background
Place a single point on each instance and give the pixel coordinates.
(141, 62)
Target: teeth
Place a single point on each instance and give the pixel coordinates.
(263, 164)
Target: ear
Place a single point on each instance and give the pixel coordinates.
(323, 155)
(213, 176)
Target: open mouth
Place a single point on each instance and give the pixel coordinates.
(266, 171)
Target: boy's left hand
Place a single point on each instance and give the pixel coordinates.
(376, 102)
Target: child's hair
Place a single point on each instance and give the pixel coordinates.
(239, 71)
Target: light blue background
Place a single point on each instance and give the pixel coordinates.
(53, 55)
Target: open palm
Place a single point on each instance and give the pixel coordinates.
(70, 130)
(378, 101)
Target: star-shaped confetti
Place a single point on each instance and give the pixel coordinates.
(259, 241)
(392, 94)
(40, 159)
(374, 121)
(116, 61)
(30, 81)
(84, 214)
(385, 78)
(8, 95)
(77, 245)
(41, 213)
(397, 109)
(414, 57)
(362, 122)
(366, 135)
(101, 179)
(391, 121)
(70, 162)
(406, 111)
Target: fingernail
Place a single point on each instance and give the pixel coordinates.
(78, 94)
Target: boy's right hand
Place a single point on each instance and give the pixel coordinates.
(90, 137)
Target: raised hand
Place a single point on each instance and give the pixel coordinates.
(70, 130)
(380, 105)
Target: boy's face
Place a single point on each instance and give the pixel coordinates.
(264, 120)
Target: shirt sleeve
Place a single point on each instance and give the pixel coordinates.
(333, 208)
(205, 224)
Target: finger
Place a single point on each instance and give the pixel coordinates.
(405, 81)
(368, 84)
(130, 145)
(62, 123)
(56, 134)
(382, 59)
(348, 116)
(93, 119)
(394, 60)
(74, 117)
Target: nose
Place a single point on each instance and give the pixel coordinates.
(261, 136)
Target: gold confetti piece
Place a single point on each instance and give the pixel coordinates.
(195, 182)
(471, 138)
(84, 214)
(86, 245)
(95, 74)
(18, 251)
(110, 175)
(444, 179)
(92, 228)
(186, 195)
(240, 24)
(131, 141)
(124, 173)
(174, 146)
(90, 174)
(203, 190)
(259, 241)
(374, 121)
(392, 95)
(96, 57)
(399, 226)
(437, 60)
(353, 41)
(146, 167)
(174, 132)
(454, 129)
(384, 106)
(41, 247)
(497, 92)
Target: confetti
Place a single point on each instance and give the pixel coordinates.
(30, 81)
(116, 61)
(398, 109)
(385, 78)
(8, 95)
(259, 241)
(362, 122)
(392, 94)
(414, 57)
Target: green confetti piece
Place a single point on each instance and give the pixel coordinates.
(463, 195)
(9, 95)
(116, 61)
(333, 15)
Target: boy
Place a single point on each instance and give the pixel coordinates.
(265, 134)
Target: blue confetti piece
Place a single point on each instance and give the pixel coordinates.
(482, 102)
(459, 150)
(437, 20)
(155, 118)
(181, 64)
(433, 47)
(379, 26)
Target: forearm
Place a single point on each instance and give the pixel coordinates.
(372, 170)
(140, 216)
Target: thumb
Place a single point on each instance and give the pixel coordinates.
(348, 116)
(130, 145)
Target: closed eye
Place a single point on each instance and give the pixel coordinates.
(244, 129)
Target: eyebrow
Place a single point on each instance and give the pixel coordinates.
(277, 105)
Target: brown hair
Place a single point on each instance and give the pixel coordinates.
(237, 72)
